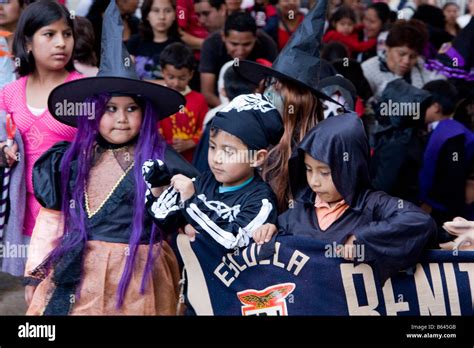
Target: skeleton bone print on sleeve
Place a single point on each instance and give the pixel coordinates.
(229, 226)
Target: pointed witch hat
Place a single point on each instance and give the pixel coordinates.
(116, 76)
(299, 61)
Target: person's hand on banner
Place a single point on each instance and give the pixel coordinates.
(264, 233)
(464, 230)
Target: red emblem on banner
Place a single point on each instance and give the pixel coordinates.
(270, 301)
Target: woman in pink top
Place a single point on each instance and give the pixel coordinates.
(43, 45)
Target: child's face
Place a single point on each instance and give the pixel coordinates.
(161, 16)
(52, 45)
(319, 179)
(228, 159)
(176, 79)
(121, 121)
(345, 26)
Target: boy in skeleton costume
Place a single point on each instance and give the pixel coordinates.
(231, 201)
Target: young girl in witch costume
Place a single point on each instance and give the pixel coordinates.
(106, 256)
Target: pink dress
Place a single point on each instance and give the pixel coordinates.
(39, 133)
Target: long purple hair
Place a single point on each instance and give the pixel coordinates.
(149, 145)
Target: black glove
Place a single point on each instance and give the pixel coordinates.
(156, 173)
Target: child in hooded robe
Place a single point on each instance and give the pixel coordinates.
(337, 204)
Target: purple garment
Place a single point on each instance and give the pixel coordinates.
(445, 130)
(147, 68)
(14, 238)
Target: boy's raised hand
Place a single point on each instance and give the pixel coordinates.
(183, 185)
(264, 233)
(155, 173)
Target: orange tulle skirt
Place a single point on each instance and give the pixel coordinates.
(103, 266)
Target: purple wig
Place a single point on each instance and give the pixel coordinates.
(149, 145)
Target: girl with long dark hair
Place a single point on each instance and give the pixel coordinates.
(158, 29)
(43, 48)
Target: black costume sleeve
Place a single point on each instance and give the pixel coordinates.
(165, 209)
(451, 172)
(47, 176)
(178, 165)
(232, 226)
(397, 235)
(386, 166)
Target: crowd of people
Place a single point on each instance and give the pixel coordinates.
(356, 119)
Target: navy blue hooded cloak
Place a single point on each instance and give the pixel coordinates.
(392, 231)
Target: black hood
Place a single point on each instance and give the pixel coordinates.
(341, 143)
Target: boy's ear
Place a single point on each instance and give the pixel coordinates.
(259, 158)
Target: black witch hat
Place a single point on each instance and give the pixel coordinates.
(116, 76)
(299, 61)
